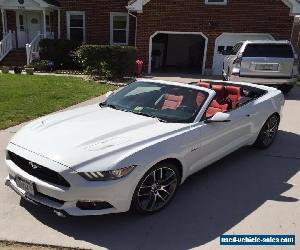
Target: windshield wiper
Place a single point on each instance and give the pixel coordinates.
(148, 115)
(104, 104)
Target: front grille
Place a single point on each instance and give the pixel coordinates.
(51, 198)
(38, 171)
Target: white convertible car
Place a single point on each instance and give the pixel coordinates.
(137, 147)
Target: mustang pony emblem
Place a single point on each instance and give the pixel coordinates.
(33, 165)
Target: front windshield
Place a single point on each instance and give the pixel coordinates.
(169, 103)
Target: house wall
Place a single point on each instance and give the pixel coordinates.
(238, 16)
(97, 14)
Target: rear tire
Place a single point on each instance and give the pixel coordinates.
(156, 189)
(268, 132)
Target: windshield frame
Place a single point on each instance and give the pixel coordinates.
(160, 118)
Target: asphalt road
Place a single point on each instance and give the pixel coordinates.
(248, 192)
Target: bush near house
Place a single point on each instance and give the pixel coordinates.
(60, 52)
(109, 62)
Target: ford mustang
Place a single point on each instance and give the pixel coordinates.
(133, 150)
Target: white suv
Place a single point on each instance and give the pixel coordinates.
(262, 62)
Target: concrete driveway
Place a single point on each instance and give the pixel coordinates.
(248, 192)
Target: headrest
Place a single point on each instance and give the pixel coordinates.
(232, 90)
(218, 88)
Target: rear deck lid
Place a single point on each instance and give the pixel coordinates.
(267, 60)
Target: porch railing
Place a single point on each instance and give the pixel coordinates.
(6, 45)
(33, 47)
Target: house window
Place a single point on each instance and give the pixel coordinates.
(119, 28)
(76, 25)
(216, 2)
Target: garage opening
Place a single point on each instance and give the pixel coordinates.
(177, 52)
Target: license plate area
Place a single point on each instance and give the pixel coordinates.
(27, 186)
(267, 67)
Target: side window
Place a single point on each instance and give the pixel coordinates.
(236, 48)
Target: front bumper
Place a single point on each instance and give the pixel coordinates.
(117, 193)
(264, 81)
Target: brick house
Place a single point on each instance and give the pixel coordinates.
(174, 35)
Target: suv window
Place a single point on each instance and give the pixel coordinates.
(269, 50)
(236, 48)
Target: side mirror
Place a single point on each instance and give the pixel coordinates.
(219, 117)
(108, 94)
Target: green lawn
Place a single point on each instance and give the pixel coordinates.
(24, 97)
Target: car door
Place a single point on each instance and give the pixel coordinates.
(212, 141)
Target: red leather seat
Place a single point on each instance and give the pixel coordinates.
(221, 93)
(216, 107)
(172, 101)
(199, 99)
(203, 84)
(223, 107)
(211, 111)
(233, 95)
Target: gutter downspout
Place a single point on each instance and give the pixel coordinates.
(136, 25)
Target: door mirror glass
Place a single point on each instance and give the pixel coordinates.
(219, 117)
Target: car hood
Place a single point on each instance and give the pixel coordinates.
(90, 133)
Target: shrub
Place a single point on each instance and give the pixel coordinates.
(41, 65)
(107, 61)
(60, 52)
(4, 70)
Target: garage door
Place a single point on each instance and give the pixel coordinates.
(227, 41)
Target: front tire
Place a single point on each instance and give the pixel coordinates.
(268, 132)
(156, 189)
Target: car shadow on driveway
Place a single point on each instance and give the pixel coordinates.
(294, 94)
(207, 205)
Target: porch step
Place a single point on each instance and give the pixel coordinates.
(16, 57)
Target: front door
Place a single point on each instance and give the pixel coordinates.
(215, 140)
(22, 29)
(28, 25)
(34, 24)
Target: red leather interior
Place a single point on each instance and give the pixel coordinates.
(221, 93)
(200, 98)
(172, 101)
(233, 95)
(215, 107)
(203, 84)
(211, 111)
(215, 104)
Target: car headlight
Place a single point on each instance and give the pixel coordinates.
(107, 175)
